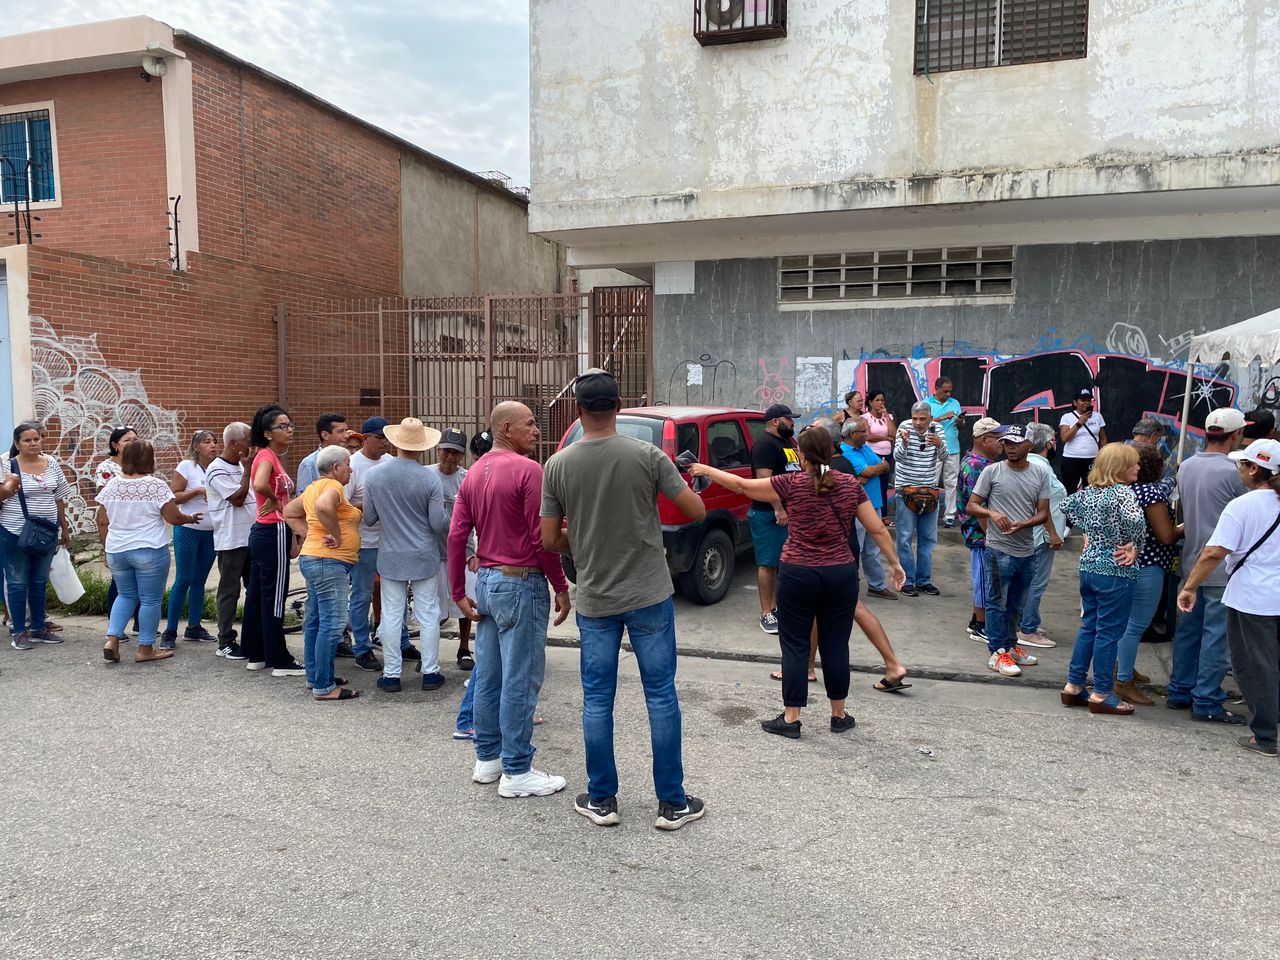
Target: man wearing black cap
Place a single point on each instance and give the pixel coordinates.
(773, 454)
(607, 486)
(1083, 433)
(450, 452)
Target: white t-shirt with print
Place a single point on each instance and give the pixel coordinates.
(1252, 588)
(133, 513)
(194, 474)
(1083, 446)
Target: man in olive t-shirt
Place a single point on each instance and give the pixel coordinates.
(607, 486)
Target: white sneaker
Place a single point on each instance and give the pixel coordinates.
(1002, 663)
(534, 783)
(256, 665)
(1022, 658)
(1038, 639)
(487, 771)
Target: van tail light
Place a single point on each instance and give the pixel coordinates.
(669, 439)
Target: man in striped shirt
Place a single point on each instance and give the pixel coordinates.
(919, 451)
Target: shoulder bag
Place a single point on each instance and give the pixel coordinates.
(38, 534)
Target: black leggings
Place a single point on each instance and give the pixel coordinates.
(263, 639)
(1075, 473)
(829, 595)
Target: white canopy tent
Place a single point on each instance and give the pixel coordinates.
(1239, 343)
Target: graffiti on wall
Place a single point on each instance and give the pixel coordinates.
(707, 381)
(80, 399)
(773, 387)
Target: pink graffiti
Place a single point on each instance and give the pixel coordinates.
(772, 388)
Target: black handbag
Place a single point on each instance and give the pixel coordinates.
(38, 534)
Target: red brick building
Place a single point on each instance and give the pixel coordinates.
(287, 203)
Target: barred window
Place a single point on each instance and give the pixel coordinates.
(939, 272)
(733, 21)
(964, 34)
(26, 157)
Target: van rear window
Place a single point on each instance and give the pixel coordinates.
(648, 429)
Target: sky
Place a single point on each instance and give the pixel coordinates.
(451, 77)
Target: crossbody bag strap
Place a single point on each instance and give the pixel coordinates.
(22, 497)
(849, 541)
(1085, 423)
(1261, 540)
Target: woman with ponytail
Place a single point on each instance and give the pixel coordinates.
(1248, 538)
(818, 576)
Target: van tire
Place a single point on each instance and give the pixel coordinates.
(708, 580)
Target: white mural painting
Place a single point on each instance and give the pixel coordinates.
(813, 382)
(80, 399)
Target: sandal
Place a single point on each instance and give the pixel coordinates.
(466, 661)
(343, 694)
(777, 675)
(1112, 706)
(885, 685)
(1080, 699)
(111, 650)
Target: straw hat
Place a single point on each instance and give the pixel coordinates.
(411, 435)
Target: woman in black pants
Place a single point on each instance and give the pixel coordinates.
(271, 545)
(818, 577)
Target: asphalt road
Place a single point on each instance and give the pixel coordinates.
(193, 809)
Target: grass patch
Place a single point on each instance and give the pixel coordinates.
(94, 601)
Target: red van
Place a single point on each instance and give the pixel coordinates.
(702, 555)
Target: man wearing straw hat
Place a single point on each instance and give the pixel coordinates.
(406, 500)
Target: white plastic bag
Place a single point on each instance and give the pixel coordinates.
(65, 580)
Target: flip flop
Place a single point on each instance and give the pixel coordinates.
(344, 693)
(891, 686)
(777, 675)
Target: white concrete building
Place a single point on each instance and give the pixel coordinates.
(1101, 178)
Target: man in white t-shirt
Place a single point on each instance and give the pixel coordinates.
(232, 508)
(1247, 535)
(1083, 433)
(374, 451)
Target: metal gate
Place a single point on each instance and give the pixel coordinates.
(449, 360)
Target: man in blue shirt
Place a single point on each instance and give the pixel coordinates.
(867, 467)
(947, 414)
(332, 430)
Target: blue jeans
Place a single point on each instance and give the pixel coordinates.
(1201, 657)
(466, 709)
(140, 577)
(869, 552)
(327, 585)
(511, 658)
(26, 576)
(1146, 597)
(193, 555)
(652, 631)
(1039, 584)
(917, 563)
(1106, 601)
(1008, 583)
(362, 576)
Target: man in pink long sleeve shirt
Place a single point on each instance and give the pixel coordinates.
(501, 499)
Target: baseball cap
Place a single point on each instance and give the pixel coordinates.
(988, 425)
(1225, 420)
(1014, 434)
(1084, 393)
(453, 439)
(1264, 452)
(596, 389)
(779, 410)
(374, 426)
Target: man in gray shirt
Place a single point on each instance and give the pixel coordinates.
(406, 500)
(608, 486)
(1206, 484)
(1010, 499)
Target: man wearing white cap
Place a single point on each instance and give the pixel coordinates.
(406, 501)
(450, 452)
(986, 450)
(1206, 484)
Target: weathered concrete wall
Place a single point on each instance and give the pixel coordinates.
(461, 240)
(633, 122)
(1115, 314)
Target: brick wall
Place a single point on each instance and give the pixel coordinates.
(109, 129)
(288, 184)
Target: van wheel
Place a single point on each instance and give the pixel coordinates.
(707, 581)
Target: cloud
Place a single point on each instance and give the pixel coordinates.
(451, 77)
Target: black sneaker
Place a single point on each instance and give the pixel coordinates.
(432, 681)
(977, 632)
(232, 651)
(841, 724)
(388, 684)
(603, 813)
(169, 640)
(930, 589)
(909, 591)
(1222, 716)
(671, 818)
(780, 726)
(367, 661)
(198, 634)
(411, 653)
(344, 650)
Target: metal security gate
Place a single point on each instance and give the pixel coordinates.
(449, 360)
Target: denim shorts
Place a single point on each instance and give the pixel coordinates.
(767, 537)
(978, 573)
